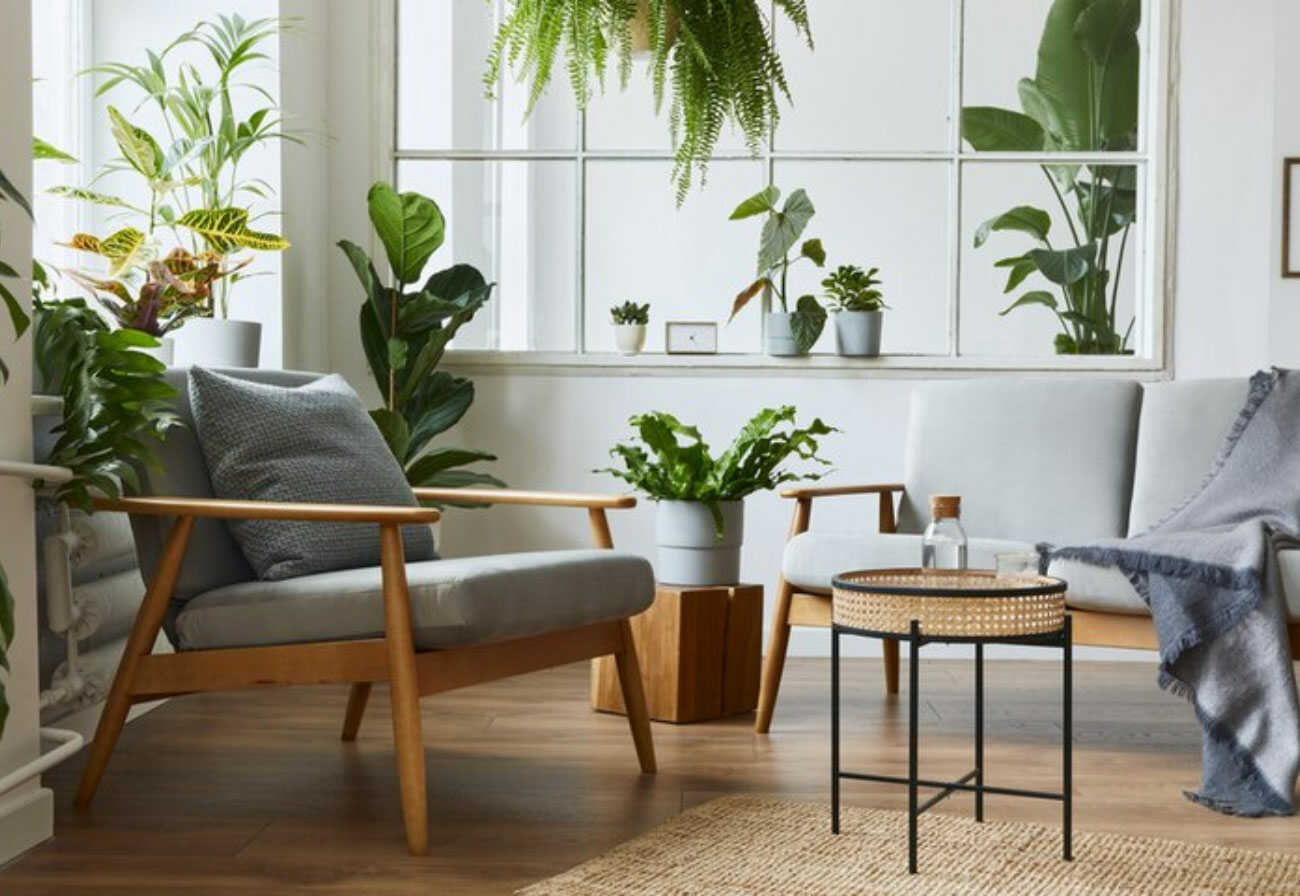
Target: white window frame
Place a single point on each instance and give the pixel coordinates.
(1155, 157)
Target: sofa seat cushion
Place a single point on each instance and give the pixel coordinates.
(1108, 590)
(472, 600)
(812, 559)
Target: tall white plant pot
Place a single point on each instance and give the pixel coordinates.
(779, 335)
(857, 333)
(213, 342)
(688, 550)
(630, 338)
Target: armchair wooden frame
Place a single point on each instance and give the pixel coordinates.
(1089, 627)
(410, 674)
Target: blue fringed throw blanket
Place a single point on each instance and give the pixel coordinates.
(1207, 573)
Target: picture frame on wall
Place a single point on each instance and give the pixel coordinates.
(1290, 211)
(690, 337)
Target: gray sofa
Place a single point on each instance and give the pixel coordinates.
(1056, 460)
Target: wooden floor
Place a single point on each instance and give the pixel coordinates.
(252, 792)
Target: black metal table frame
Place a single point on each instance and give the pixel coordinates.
(917, 639)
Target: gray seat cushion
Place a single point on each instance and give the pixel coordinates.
(457, 602)
(1033, 459)
(812, 559)
(313, 443)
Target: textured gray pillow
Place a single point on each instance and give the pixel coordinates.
(314, 443)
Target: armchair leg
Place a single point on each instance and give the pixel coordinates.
(148, 621)
(405, 692)
(774, 661)
(890, 648)
(638, 716)
(357, 697)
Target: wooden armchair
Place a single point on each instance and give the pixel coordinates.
(801, 608)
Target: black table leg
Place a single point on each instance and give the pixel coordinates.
(913, 700)
(1067, 747)
(835, 730)
(979, 732)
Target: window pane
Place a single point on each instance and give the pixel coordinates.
(890, 215)
(1001, 48)
(991, 189)
(688, 263)
(897, 56)
(514, 221)
(442, 50)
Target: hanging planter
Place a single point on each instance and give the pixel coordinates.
(716, 62)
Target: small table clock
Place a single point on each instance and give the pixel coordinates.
(691, 338)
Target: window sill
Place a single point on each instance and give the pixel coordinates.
(659, 364)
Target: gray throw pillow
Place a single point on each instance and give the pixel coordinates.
(315, 443)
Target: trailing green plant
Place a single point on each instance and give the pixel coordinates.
(116, 405)
(194, 184)
(849, 288)
(406, 332)
(781, 232)
(716, 59)
(677, 470)
(630, 313)
(1083, 98)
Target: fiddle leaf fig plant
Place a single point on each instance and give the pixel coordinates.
(1083, 98)
(405, 333)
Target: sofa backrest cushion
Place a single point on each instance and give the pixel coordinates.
(1033, 459)
(1183, 426)
(213, 559)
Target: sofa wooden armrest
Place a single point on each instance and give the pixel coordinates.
(519, 496)
(831, 491)
(227, 509)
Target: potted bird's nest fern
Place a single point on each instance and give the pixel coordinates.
(716, 60)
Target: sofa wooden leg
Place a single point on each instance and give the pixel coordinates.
(148, 620)
(405, 692)
(357, 698)
(891, 666)
(638, 717)
(774, 661)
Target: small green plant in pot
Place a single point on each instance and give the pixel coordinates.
(630, 321)
(858, 307)
(786, 332)
(699, 521)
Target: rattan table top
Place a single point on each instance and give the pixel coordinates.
(967, 583)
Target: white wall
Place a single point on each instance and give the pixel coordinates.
(1231, 314)
(25, 814)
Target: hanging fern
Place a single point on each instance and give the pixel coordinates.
(716, 58)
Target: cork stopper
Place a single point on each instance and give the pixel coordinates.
(945, 506)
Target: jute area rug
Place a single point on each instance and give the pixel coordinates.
(742, 845)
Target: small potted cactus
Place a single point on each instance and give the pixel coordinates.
(858, 309)
(630, 320)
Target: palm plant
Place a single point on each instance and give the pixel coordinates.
(195, 183)
(405, 334)
(1083, 98)
(716, 59)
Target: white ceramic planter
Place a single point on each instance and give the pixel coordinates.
(779, 335)
(630, 338)
(857, 333)
(213, 342)
(688, 551)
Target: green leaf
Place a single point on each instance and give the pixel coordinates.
(392, 426)
(377, 294)
(1065, 266)
(990, 129)
(806, 323)
(762, 201)
(1021, 267)
(140, 150)
(442, 401)
(226, 229)
(126, 249)
(396, 353)
(745, 295)
(1037, 297)
(1024, 218)
(1063, 76)
(1107, 28)
(93, 197)
(409, 225)
(783, 229)
(17, 316)
(1107, 31)
(424, 468)
(47, 151)
(813, 250)
(8, 190)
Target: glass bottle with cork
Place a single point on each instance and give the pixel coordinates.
(944, 543)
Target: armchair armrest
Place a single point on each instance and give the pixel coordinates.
(517, 496)
(831, 491)
(226, 509)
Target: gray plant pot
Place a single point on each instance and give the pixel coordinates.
(214, 342)
(688, 549)
(779, 335)
(857, 333)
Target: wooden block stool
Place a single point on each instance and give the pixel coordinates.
(699, 649)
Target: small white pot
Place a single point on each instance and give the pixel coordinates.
(165, 351)
(857, 333)
(688, 550)
(213, 342)
(630, 338)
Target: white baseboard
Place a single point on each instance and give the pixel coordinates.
(26, 819)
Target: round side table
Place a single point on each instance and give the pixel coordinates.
(924, 606)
